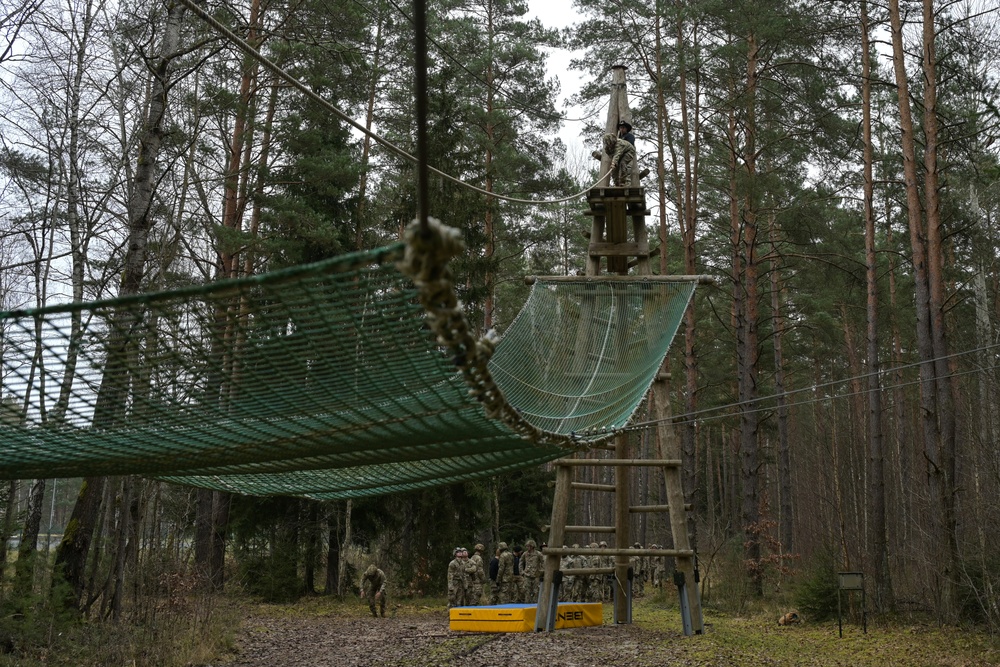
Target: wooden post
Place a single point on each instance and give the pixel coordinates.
(622, 524)
(557, 533)
(668, 446)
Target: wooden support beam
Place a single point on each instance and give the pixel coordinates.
(560, 510)
(600, 211)
(586, 486)
(700, 279)
(609, 551)
(664, 463)
(623, 521)
(619, 249)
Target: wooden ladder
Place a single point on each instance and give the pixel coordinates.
(611, 208)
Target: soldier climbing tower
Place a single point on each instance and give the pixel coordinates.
(614, 210)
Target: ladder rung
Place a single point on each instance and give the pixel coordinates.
(586, 486)
(665, 463)
(609, 551)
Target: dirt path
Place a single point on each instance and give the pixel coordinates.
(425, 640)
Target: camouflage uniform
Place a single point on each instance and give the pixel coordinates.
(470, 574)
(476, 596)
(596, 587)
(373, 586)
(638, 565)
(459, 570)
(505, 575)
(606, 561)
(622, 159)
(579, 582)
(518, 576)
(566, 565)
(656, 568)
(532, 567)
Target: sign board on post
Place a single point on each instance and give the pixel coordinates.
(851, 581)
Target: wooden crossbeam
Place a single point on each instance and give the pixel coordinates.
(664, 463)
(609, 551)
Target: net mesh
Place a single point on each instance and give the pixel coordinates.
(322, 381)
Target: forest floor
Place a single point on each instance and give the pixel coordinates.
(324, 633)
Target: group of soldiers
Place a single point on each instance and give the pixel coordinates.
(514, 575)
(597, 587)
(511, 576)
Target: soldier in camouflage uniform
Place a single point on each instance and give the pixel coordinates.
(373, 588)
(505, 575)
(470, 575)
(638, 565)
(566, 564)
(579, 589)
(518, 577)
(532, 567)
(622, 159)
(592, 592)
(458, 571)
(479, 579)
(656, 568)
(606, 579)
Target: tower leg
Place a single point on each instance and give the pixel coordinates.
(548, 600)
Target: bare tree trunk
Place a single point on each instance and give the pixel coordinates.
(78, 238)
(8, 525)
(359, 227)
(27, 552)
(944, 376)
(746, 328)
(691, 146)
(312, 546)
(203, 536)
(345, 545)
(332, 553)
(930, 392)
(878, 547)
(125, 538)
(221, 503)
(785, 525)
(111, 397)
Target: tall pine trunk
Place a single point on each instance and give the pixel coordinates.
(785, 524)
(922, 245)
(878, 547)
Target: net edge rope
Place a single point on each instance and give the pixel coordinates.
(425, 262)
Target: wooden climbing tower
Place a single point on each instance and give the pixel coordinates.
(614, 210)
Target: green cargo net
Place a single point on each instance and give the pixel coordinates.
(349, 377)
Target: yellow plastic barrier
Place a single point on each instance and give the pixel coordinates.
(521, 617)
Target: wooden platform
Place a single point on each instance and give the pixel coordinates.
(521, 617)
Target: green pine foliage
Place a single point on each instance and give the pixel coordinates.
(816, 588)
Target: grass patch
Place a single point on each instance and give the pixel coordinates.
(752, 640)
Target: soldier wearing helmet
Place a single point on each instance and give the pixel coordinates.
(373, 588)
(532, 566)
(505, 575)
(639, 573)
(459, 570)
(479, 578)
